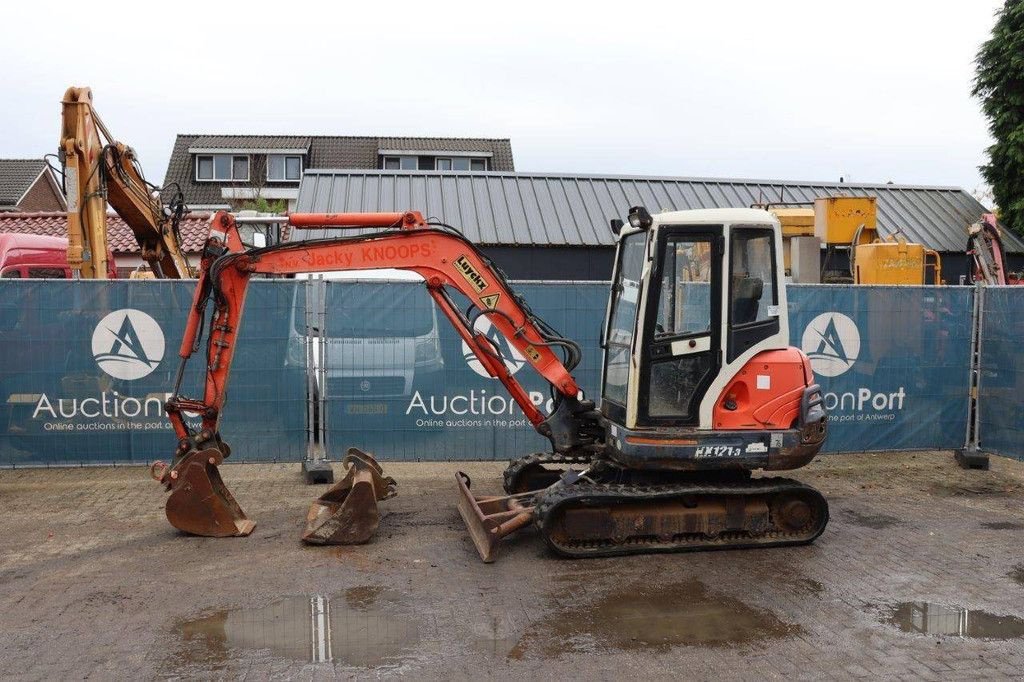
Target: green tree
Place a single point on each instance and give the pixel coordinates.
(999, 84)
(262, 205)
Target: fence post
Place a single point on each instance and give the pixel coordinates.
(971, 456)
(315, 468)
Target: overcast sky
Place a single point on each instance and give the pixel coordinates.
(875, 90)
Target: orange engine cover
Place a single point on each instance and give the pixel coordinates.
(766, 393)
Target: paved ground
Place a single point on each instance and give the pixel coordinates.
(95, 584)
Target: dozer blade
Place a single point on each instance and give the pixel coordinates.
(200, 503)
(488, 519)
(347, 513)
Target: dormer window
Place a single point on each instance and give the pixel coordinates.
(284, 168)
(460, 163)
(229, 167)
(401, 162)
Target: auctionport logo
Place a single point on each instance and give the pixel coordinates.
(128, 344)
(832, 343)
(514, 360)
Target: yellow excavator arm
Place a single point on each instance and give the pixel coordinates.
(99, 170)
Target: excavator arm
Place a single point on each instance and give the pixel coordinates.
(99, 170)
(985, 247)
(405, 241)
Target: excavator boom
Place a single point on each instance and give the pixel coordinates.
(445, 260)
(985, 247)
(99, 170)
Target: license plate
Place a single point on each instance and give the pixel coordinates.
(367, 408)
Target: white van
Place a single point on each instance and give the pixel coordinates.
(379, 340)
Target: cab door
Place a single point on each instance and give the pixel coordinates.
(680, 356)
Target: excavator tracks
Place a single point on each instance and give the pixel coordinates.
(531, 473)
(603, 519)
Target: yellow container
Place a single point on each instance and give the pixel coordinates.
(795, 222)
(894, 262)
(836, 219)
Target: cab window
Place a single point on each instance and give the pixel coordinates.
(622, 318)
(752, 297)
(684, 300)
(46, 273)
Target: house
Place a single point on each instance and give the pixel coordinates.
(556, 226)
(194, 229)
(233, 171)
(29, 185)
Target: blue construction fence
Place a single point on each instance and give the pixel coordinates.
(1001, 378)
(86, 366)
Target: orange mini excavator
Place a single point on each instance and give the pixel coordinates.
(700, 386)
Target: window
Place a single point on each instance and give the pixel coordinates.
(222, 167)
(625, 299)
(46, 273)
(752, 289)
(284, 168)
(678, 373)
(401, 162)
(460, 163)
(204, 168)
(684, 301)
(753, 298)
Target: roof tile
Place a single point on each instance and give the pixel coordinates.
(194, 227)
(16, 176)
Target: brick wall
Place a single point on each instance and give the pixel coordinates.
(42, 196)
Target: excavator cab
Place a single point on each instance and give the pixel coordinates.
(698, 372)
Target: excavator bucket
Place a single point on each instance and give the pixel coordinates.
(200, 503)
(490, 518)
(347, 513)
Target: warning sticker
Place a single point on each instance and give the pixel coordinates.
(467, 270)
(490, 301)
(532, 353)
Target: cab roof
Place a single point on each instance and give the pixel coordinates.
(714, 215)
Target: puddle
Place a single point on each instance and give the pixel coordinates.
(362, 627)
(926, 618)
(497, 638)
(655, 617)
(1003, 525)
(873, 521)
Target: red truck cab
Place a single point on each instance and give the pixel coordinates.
(33, 256)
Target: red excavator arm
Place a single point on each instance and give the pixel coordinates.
(405, 241)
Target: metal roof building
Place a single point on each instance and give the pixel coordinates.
(514, 214)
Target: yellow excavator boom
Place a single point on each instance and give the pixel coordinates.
(99, 170)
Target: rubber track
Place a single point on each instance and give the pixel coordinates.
(520, 466)
(551, 502)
